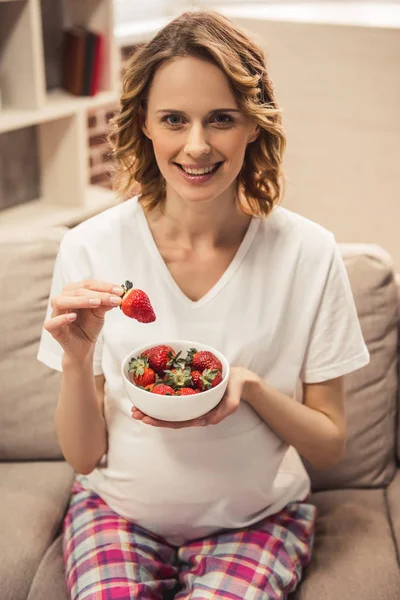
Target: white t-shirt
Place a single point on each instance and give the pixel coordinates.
(283, 308)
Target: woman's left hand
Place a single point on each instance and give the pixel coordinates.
(235, 391)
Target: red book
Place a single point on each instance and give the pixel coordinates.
(74, 60)
(91, 41)
(97, 64)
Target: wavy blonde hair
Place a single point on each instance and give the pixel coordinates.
(208, 35)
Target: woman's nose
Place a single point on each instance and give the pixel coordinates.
(196, 143)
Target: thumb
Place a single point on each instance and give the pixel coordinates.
(101, 309)
(229, 402)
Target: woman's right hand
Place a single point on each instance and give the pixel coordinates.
(78, 316)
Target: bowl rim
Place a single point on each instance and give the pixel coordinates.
(140, 349)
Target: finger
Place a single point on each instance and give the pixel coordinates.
(75, 302)
(55, 323)
(95, 285)
(105, 298)
(169, 424)
(137, 414)
(140, 416)
(226, 407)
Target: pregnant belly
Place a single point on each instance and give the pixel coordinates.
(166, 482)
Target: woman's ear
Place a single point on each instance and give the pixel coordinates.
(145, 129)
(254, 135)
(143, 121)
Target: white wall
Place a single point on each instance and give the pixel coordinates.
(339, 87)
(134, 10)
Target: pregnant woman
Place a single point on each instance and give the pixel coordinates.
(217, 507)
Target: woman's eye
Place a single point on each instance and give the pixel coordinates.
(223, 119)
(172, 120)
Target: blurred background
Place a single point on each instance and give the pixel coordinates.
(335, 66)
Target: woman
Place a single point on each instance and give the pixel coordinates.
(216, 507)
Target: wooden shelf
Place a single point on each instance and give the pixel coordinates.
(38, 213)
(58, 104)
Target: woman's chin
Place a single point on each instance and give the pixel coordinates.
(200, 194)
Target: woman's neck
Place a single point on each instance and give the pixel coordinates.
(209, 224)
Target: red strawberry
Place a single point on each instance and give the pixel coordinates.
(203, 360)
(162, 358)
(164, 390)
(178, 378)
(140, 373)
(136, 304)
(185, 391)
(210, 378)
(196, 378)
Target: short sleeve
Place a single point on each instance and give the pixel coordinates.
(70, 265)
(336, 345)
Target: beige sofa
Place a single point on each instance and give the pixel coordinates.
(357, 544)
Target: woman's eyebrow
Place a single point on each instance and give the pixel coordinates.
(181, 112)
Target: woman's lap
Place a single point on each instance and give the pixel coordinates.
(110, 558)
(262, 562)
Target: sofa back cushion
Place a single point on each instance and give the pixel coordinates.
(398, 370)
(371, 392)
(29, 390)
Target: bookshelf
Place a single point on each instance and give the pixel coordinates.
(59, 118)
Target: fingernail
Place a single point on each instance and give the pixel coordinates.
(118, 291)
(203, 422)
(94, 301)
(115, 300)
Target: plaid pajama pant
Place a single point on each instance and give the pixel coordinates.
(110, 558)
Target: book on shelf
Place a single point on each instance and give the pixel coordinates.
(82, 61)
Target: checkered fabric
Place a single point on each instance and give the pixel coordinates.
(110, 558)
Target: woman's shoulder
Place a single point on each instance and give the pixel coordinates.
(103, 228)
(288, 228)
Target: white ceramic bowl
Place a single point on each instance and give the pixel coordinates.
(175, 408)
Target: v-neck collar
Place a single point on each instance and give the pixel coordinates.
(222, 281)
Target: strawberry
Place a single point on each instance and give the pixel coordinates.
(178, 378)
(186, 391)
(136, 304)
(140, 373)
(164, 390)
(196, 378)
(162, 358)
(210, 378)
(202, 360)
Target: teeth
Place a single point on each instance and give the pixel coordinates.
(199, 171)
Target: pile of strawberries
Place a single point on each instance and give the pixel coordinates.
(163, 371)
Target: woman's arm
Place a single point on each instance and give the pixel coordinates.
(316, 428)
(80, 424)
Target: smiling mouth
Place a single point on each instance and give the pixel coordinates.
(200, 170)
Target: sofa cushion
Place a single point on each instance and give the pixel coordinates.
(371, 392)
(50, 575)
(33, 500)
(393, 499)
(29, 390)
(354, 556)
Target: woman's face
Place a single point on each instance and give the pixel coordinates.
(199, 134)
